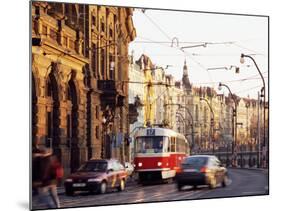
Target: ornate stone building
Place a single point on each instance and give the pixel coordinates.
(79, 69)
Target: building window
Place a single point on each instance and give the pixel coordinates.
(103, 63)
(94, 20)
(110, 33)
(44, 30)
(97, 112)
(196, 112)
(94, 60)
(97, 132)
(111, 67)
(53, 34)
(205, 116)
(119, 71)
(49, 125)
(68, 131)
(102, 25)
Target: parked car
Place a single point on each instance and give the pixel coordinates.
(97, 176)
(129, 168)
(201, 170)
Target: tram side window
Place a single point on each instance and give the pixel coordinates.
(178, 144)
(173, 144)
(181, 145)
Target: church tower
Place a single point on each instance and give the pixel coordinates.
(185, 80)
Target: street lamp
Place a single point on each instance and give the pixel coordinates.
(189, 113)
(237, 69)
(234, 122)
(242, 60)
(212, 122)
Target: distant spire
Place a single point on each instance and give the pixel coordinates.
(185, 79)
(185, 68)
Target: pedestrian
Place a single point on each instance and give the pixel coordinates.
(37, 155)
(51, 173)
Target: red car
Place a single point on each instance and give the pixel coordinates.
(97, 176)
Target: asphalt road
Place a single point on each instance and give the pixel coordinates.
(242, 182)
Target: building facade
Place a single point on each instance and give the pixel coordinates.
(79, 65)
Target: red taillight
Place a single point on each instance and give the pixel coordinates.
(179, 170)
(204, 169)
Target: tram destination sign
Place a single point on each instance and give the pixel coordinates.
(150, 132)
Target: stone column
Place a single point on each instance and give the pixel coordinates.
(81, 118)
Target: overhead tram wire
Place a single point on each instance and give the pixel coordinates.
(254, 77)
(198, 63)
(248, 49)
(158, 27)
(231, 81)
(186, 53)
(203, 42)
(248, 89)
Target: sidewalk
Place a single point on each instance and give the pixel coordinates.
(265, 170)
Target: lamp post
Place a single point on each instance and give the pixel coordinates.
(103, 136)
(178, 114)
(212, 122)
(263, 90)
(189, 113)
(234, 114)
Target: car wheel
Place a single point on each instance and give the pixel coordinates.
(213, 183)
(179, 186)
(224, 181)
(121, 187)
(103, 187)
(69, 192)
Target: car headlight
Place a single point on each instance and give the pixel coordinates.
(140, 164)
(159, 163)
(69, 180)
(94, 180)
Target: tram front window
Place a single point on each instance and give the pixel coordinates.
(153, 144)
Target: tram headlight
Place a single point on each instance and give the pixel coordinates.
(139, 164)
(159, 163)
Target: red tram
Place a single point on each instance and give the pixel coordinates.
(158, 153)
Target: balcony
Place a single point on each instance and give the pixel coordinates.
(107, 86)
(112, 93)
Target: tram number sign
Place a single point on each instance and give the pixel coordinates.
(150, 132)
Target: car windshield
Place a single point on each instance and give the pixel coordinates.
(194, 161)
(93, 166)
(152, 144)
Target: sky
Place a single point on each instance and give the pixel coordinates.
(228, 36)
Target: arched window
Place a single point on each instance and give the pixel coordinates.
(34, 108)
(53, 113)
(72, 126)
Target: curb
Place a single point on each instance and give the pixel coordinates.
(255, 169)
